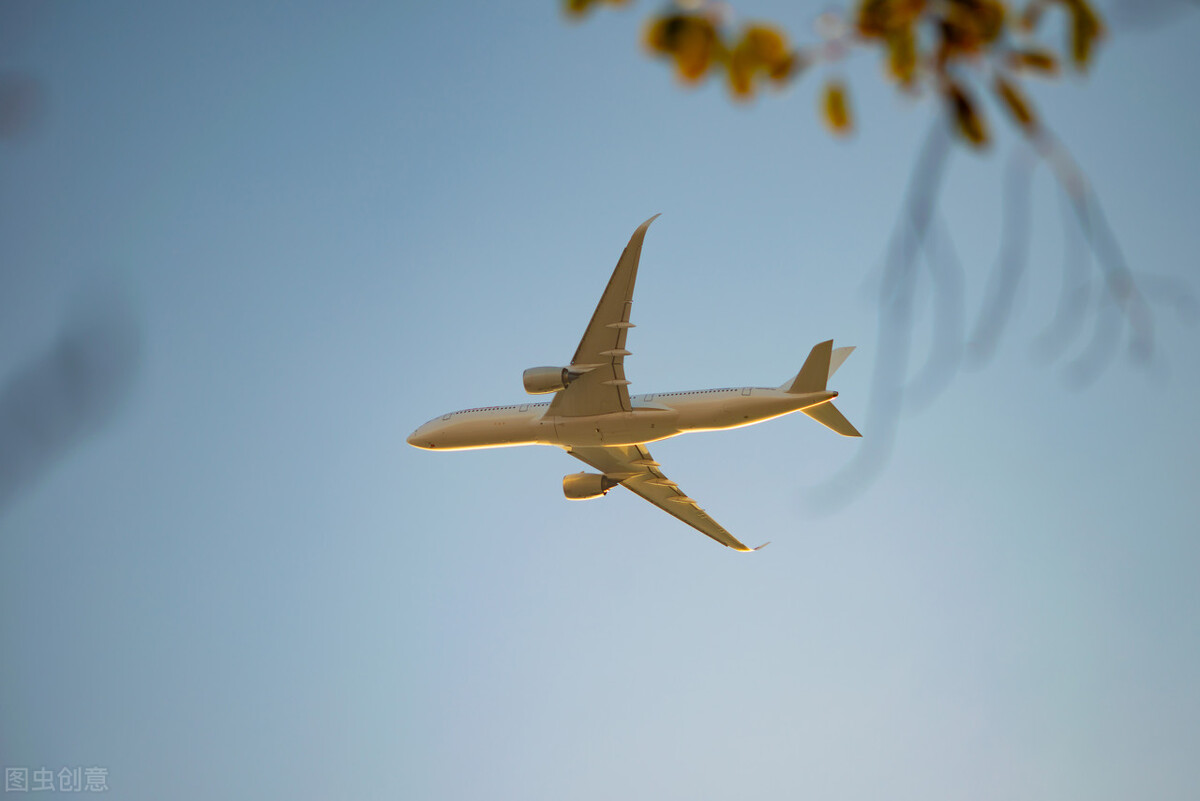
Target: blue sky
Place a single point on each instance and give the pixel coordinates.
(324, 227)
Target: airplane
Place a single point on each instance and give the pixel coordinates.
(594, 418)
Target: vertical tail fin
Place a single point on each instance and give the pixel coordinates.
(822, 362)
(814, 375)
(838, 356)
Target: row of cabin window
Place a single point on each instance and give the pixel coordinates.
(693, 392)
(657, 394)
(498, 408)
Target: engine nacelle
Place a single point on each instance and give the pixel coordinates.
(581, 486)
(541, 380)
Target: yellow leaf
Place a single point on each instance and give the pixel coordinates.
(657, 35)
(878, 18)
(696, 51)
(767, 44)
(966, 119)
(691, 40)
(968, 26)
(1086, 30)
(787, 67)
(902, 54)
(873, 18)
(990, 18)
(1031, 16)
(836, 108)
(1016, 103)
(741, 79)
(761, 51)
(1034, 59)
(577, 8)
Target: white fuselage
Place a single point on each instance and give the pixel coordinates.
(655, 416)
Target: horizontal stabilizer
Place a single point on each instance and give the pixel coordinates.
(827, 415)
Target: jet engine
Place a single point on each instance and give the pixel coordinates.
(541, 380)
(581, 486)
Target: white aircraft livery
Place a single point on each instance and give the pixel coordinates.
(594, 418)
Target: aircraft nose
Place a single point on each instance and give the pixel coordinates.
(424, 437)
(431, 436)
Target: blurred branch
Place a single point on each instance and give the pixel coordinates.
(21, 102)
(956, 51)
(1011, 261)
(62, 396)
(894, 338)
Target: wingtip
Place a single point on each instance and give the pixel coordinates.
(752, 550)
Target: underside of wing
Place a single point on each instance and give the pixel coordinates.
(599, 362)
(636, 470)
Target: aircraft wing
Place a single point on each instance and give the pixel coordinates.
(600, 358)
(637, 471)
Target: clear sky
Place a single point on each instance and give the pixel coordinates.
(304, 229)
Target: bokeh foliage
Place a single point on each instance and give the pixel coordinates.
(953, 48)
(958, 52)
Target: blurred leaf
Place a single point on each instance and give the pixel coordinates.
(872, 19)
(1016, 103)
(902, 54)
(1034, 59)
(1086, 30)
(577, 8)
(878, 18)
(765, 44)
(967, 119)
(741, 78)
(836, 108)
(969, 26)
(763, 51)
(787, 68)
(930, 44)
(690, 39)
(1032, 15)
